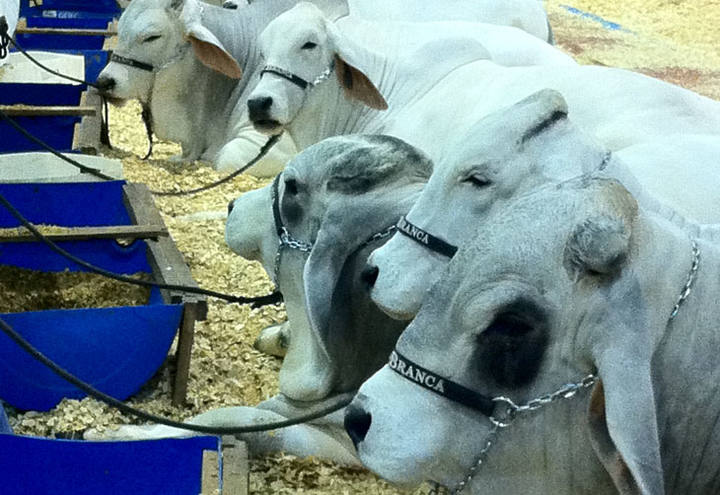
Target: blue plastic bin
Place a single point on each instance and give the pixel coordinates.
(115, 349)
(30, 465)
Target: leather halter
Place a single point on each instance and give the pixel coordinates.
(297, 80)
(131, 62)
(278, 71)
(425, 239)
(441, 385)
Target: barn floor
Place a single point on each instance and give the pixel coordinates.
(676, 40)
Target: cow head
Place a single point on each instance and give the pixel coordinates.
(501, 156)
(336, 195)
(156, 34)
(301, 48)
(554, 290)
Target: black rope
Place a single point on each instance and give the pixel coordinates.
(147, 120)
(4, 37)
(52, 150)
(263, 151)
(104, 119)
(255, 302)
(48, 69)
(97, 394)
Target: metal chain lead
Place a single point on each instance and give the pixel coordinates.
(691, 278)
(565, 392)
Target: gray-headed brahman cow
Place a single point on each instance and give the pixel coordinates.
(336, 85)
(571, 287)
(512, 151)
(333, 200)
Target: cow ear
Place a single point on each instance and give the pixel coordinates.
(208, 49)
(321, 276)
(622, 413)
(355, 83)
(599, 245)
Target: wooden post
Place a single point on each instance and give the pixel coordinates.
(186, 336)
(210, 482)
(236, 470)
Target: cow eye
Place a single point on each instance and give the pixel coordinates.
(291, 186)
(479, 180)
(308, 46)
(152, 38)
(509, 325)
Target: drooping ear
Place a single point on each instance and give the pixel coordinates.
(321, 275)
(623, 424)
(208, 49)
(348, 60)
(598, 245)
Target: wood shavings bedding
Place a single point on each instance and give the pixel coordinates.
(30, 290)
(673, 40)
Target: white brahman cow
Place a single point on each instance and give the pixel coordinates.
(442, 88)
(193, 65)
(514, 150)
(585, 328)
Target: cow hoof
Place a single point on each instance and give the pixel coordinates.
(274, 340)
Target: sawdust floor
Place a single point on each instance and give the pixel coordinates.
(674, 40)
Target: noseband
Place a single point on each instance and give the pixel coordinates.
(131, 62)
(425, 239)
(286, 240)
(297, 80)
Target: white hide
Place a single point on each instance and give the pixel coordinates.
(579, 265)
(487, 168)
(445, 86)
(527, 15)
(203, 110)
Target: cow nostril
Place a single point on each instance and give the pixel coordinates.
(231, 205)
(369, 275)
(357, 423)
(258, 107)
(105, 83)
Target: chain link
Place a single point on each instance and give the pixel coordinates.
(691, 278)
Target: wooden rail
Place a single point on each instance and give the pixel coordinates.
(46, 111)
(85, 233)
(169, 267)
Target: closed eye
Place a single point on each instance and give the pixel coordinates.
(152, 38)
(479, 180)
(308, 46)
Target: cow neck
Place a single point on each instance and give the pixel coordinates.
(328, 112)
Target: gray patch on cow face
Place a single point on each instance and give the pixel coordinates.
(386, 159)
(511, 349)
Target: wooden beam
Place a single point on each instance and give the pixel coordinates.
(186, 336)
(85, 233)
(164, 257)
(46, 111)
(169, 267)
(236, 468)
(65, 31)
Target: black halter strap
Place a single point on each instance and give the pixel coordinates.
(425, 238)
(279, 227)
(440, 385)
(279, 71)
(131, 62)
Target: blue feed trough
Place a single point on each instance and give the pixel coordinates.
(30, 465)
(22, 83)
(65, 14)
(115, 349)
